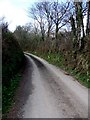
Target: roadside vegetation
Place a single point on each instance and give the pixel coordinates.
(8, 94)
(60, 35)
(12, 61)
(59, 60)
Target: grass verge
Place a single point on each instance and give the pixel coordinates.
(8, 94)
(58, 60)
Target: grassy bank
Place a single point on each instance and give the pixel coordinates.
(8, 94)
(59, 60)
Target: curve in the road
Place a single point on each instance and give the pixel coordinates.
(51, 93)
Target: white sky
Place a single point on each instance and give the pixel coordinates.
(15, 12)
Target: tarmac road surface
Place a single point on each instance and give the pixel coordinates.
(48, 92)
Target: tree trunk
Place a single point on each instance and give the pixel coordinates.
(42, 31)
(48, 33)
(73, 31)
(43, 35)
(88, 19)
(80, 25)
(56, 34)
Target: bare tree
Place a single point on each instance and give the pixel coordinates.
(47, 9)
(51, 14)
(38, 15)
(59, 17)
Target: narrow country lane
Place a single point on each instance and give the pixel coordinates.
(50, 93)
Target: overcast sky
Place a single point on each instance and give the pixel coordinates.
(15, 11)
